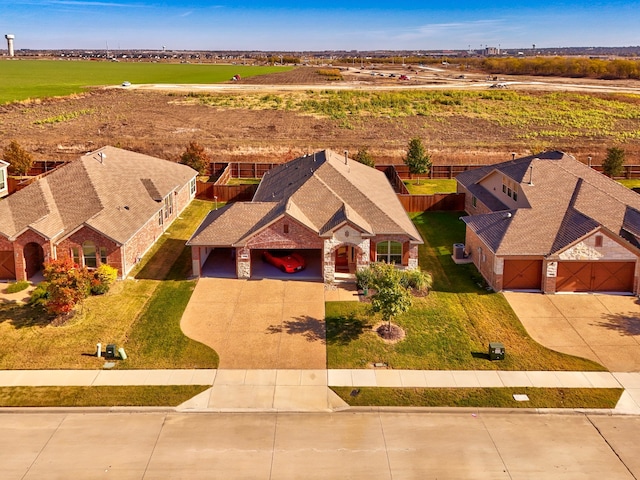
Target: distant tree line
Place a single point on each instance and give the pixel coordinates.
(618, 69)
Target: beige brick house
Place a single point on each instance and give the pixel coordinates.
(550, 223)
(339, 213)
(110, 206)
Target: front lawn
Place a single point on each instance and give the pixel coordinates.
(451, 328)
(140, 314)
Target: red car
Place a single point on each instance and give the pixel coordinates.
(285, 260)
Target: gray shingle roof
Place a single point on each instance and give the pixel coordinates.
(566, 198)
(115, 193)
(320, 191)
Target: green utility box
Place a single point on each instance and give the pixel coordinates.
(111, 351)
(496, 351)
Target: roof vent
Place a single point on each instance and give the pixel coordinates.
(531, 175)
(101, 156)
(346, 157)
(513, 155)
(507, 215)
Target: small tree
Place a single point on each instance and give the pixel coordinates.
(20, 161)
(613, 164)
(195, 157)
(417, 159)
(363, 156)
(67, 285)
(391, 298)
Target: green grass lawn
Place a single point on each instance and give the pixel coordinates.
(99, 396)
(142, 315)
(631, 183)
(429, 186)
(244, 181)
(481, 397)
(48, 78)
(448, 329)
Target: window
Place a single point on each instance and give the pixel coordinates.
(599, 240)
(474, 201)
(2, 180)
(103, 255)
(168, 205)
(286, 228)
(160, 218)
(89, 254)
(389, 252)
(75, 253)
(192, 187)
(510, 188)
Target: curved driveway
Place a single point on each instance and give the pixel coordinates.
(603, 328)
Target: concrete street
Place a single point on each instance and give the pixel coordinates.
(359, 445)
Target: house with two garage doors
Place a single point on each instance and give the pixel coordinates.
(550, 223)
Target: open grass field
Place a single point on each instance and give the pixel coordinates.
(50, 78)
(450, 329)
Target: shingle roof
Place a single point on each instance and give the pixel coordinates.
(232, 223)
(111, 190)
(322, 191)
(566, 199)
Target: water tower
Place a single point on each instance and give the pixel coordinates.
(10, 38)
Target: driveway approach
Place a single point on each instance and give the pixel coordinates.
(259, 324)
(603, 328)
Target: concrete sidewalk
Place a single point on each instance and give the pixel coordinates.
(307, 390)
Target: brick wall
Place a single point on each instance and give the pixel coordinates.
(484, 260)
(274, 236)
(114, 252)
(469, 207)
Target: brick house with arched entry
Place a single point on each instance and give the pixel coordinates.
(110, 206)
(550, 223)
(340, 213)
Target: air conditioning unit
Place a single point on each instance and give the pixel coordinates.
(458, 251)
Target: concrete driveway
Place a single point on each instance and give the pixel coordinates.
(603, 328)
(259, 324)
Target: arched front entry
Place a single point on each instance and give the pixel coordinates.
(33, 258)
(346, 258)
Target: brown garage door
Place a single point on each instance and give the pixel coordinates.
(595, 277)
(522, 274)
(7, 266)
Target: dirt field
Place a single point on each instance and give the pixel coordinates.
(160, 121)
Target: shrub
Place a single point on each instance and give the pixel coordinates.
(40, 295)
(17, 286)
(67, 285)
(364, 278)
(102, 279)
(417, 280)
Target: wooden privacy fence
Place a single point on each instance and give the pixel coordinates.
(225, 193)
(437, 202)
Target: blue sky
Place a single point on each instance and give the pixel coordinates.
(326, 25)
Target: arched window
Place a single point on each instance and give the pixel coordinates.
(89, 254)
(389, 252)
